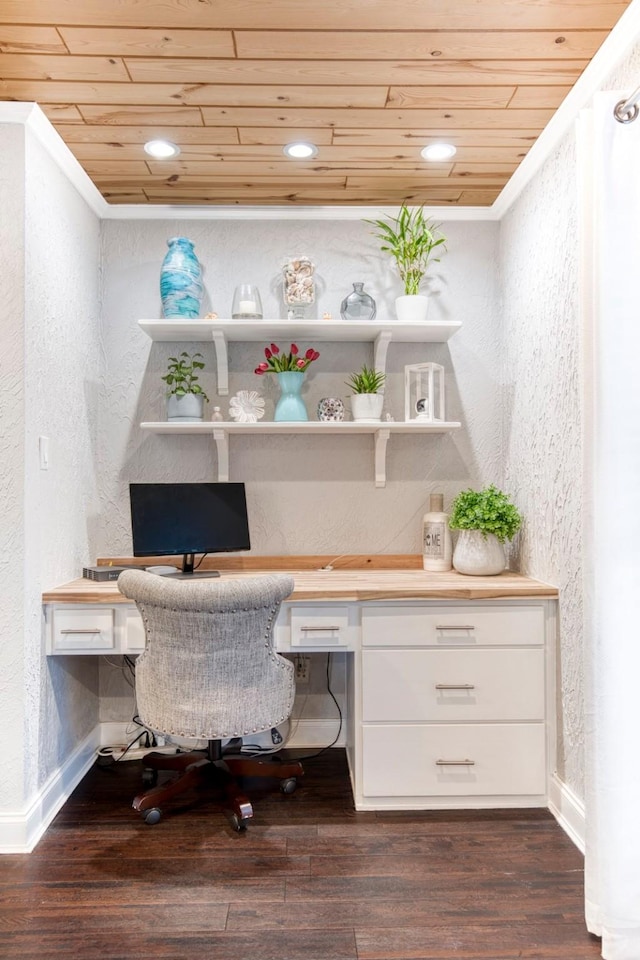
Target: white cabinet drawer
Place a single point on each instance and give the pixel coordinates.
(454, 760)
(80, 629)
(414, 625)
(134, 635)
(416, 686)
(316, 627)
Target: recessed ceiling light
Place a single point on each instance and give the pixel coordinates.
(438, 151)
(300, 150)
(161, 149)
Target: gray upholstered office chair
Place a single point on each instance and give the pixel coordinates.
(210, 672)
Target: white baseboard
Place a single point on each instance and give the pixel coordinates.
(304, 733)
(21, 830)
(568, 811)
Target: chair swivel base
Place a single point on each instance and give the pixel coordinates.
(211, 767)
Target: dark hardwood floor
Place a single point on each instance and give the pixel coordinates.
(310, 879)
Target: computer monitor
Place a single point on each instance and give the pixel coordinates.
(188, 518)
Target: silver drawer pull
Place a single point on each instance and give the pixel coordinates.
(319, 629)
(455, 763)
(88, 630)
(461, 626)
(455, 686)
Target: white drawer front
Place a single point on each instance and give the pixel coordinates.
(83, 628)
(411, 625)
(318, 627)
(134, 635)
(415, 686)
(456, 760)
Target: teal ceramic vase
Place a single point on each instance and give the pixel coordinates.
(290, 406)
(181, 281)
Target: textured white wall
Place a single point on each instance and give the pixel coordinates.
(61, 382)
(542, 419)
(11, 459)
(539, 274)
(305, 495)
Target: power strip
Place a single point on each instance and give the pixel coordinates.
(117, 752)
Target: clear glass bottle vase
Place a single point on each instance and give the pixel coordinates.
(358, 305)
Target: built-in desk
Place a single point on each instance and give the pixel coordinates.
(450, 679)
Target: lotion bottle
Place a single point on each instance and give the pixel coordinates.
(436, 536)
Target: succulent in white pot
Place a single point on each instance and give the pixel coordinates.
(185, 396)
(410, 238)
(367, 398)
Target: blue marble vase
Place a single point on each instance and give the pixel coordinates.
(180, 280)
(290, 406)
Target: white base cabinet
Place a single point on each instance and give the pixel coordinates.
(449, 703)
(453, 705)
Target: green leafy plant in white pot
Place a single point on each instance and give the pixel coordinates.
(367, 398)
(485, 519)
(411, 239)
(185, 396)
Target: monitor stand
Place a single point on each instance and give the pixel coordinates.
(188, 573)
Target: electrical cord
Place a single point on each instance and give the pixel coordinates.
(291, 732)
(312, 756)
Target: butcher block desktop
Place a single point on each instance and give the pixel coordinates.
(352, 578)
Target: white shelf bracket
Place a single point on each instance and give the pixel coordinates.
(221, 438)
(222, 361)
(380, 347)
(381, 437)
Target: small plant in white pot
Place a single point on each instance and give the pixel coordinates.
(366, 400)
(485, 519)
(410, 238)
(185, 396)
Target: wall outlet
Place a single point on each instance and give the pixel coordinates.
(302, 666)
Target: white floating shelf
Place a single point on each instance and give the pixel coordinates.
(379, 332)
(221, 432)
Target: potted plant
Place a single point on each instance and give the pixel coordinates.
(367, 400)
(485, 519)
(185, 396)
(289, 369)
(410, 238)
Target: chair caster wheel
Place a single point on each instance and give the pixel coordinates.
(289, 785)
(152, 815)
(238, 823)
(150, 776)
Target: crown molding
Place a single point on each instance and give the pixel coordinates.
(32, 118)
(337, 212)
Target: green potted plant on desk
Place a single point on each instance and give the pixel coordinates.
(185, 396)
(485, 519)
(411, 239)
(367, 398)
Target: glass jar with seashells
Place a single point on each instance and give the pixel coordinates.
(299, 286)
(247, 406)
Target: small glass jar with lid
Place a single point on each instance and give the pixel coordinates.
(358, 305)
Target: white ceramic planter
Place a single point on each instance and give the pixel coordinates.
(367, 407)
(187, 409)
(412, 308)
(477, 555)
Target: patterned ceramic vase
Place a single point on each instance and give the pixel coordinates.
(180, 281)
(290, 406)
(331, 408)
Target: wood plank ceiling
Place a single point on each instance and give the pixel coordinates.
(370, 82)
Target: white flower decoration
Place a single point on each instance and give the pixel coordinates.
(246, 407)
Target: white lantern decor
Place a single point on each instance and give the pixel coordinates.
(424, 392)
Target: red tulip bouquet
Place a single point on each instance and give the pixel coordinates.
(280, 362)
